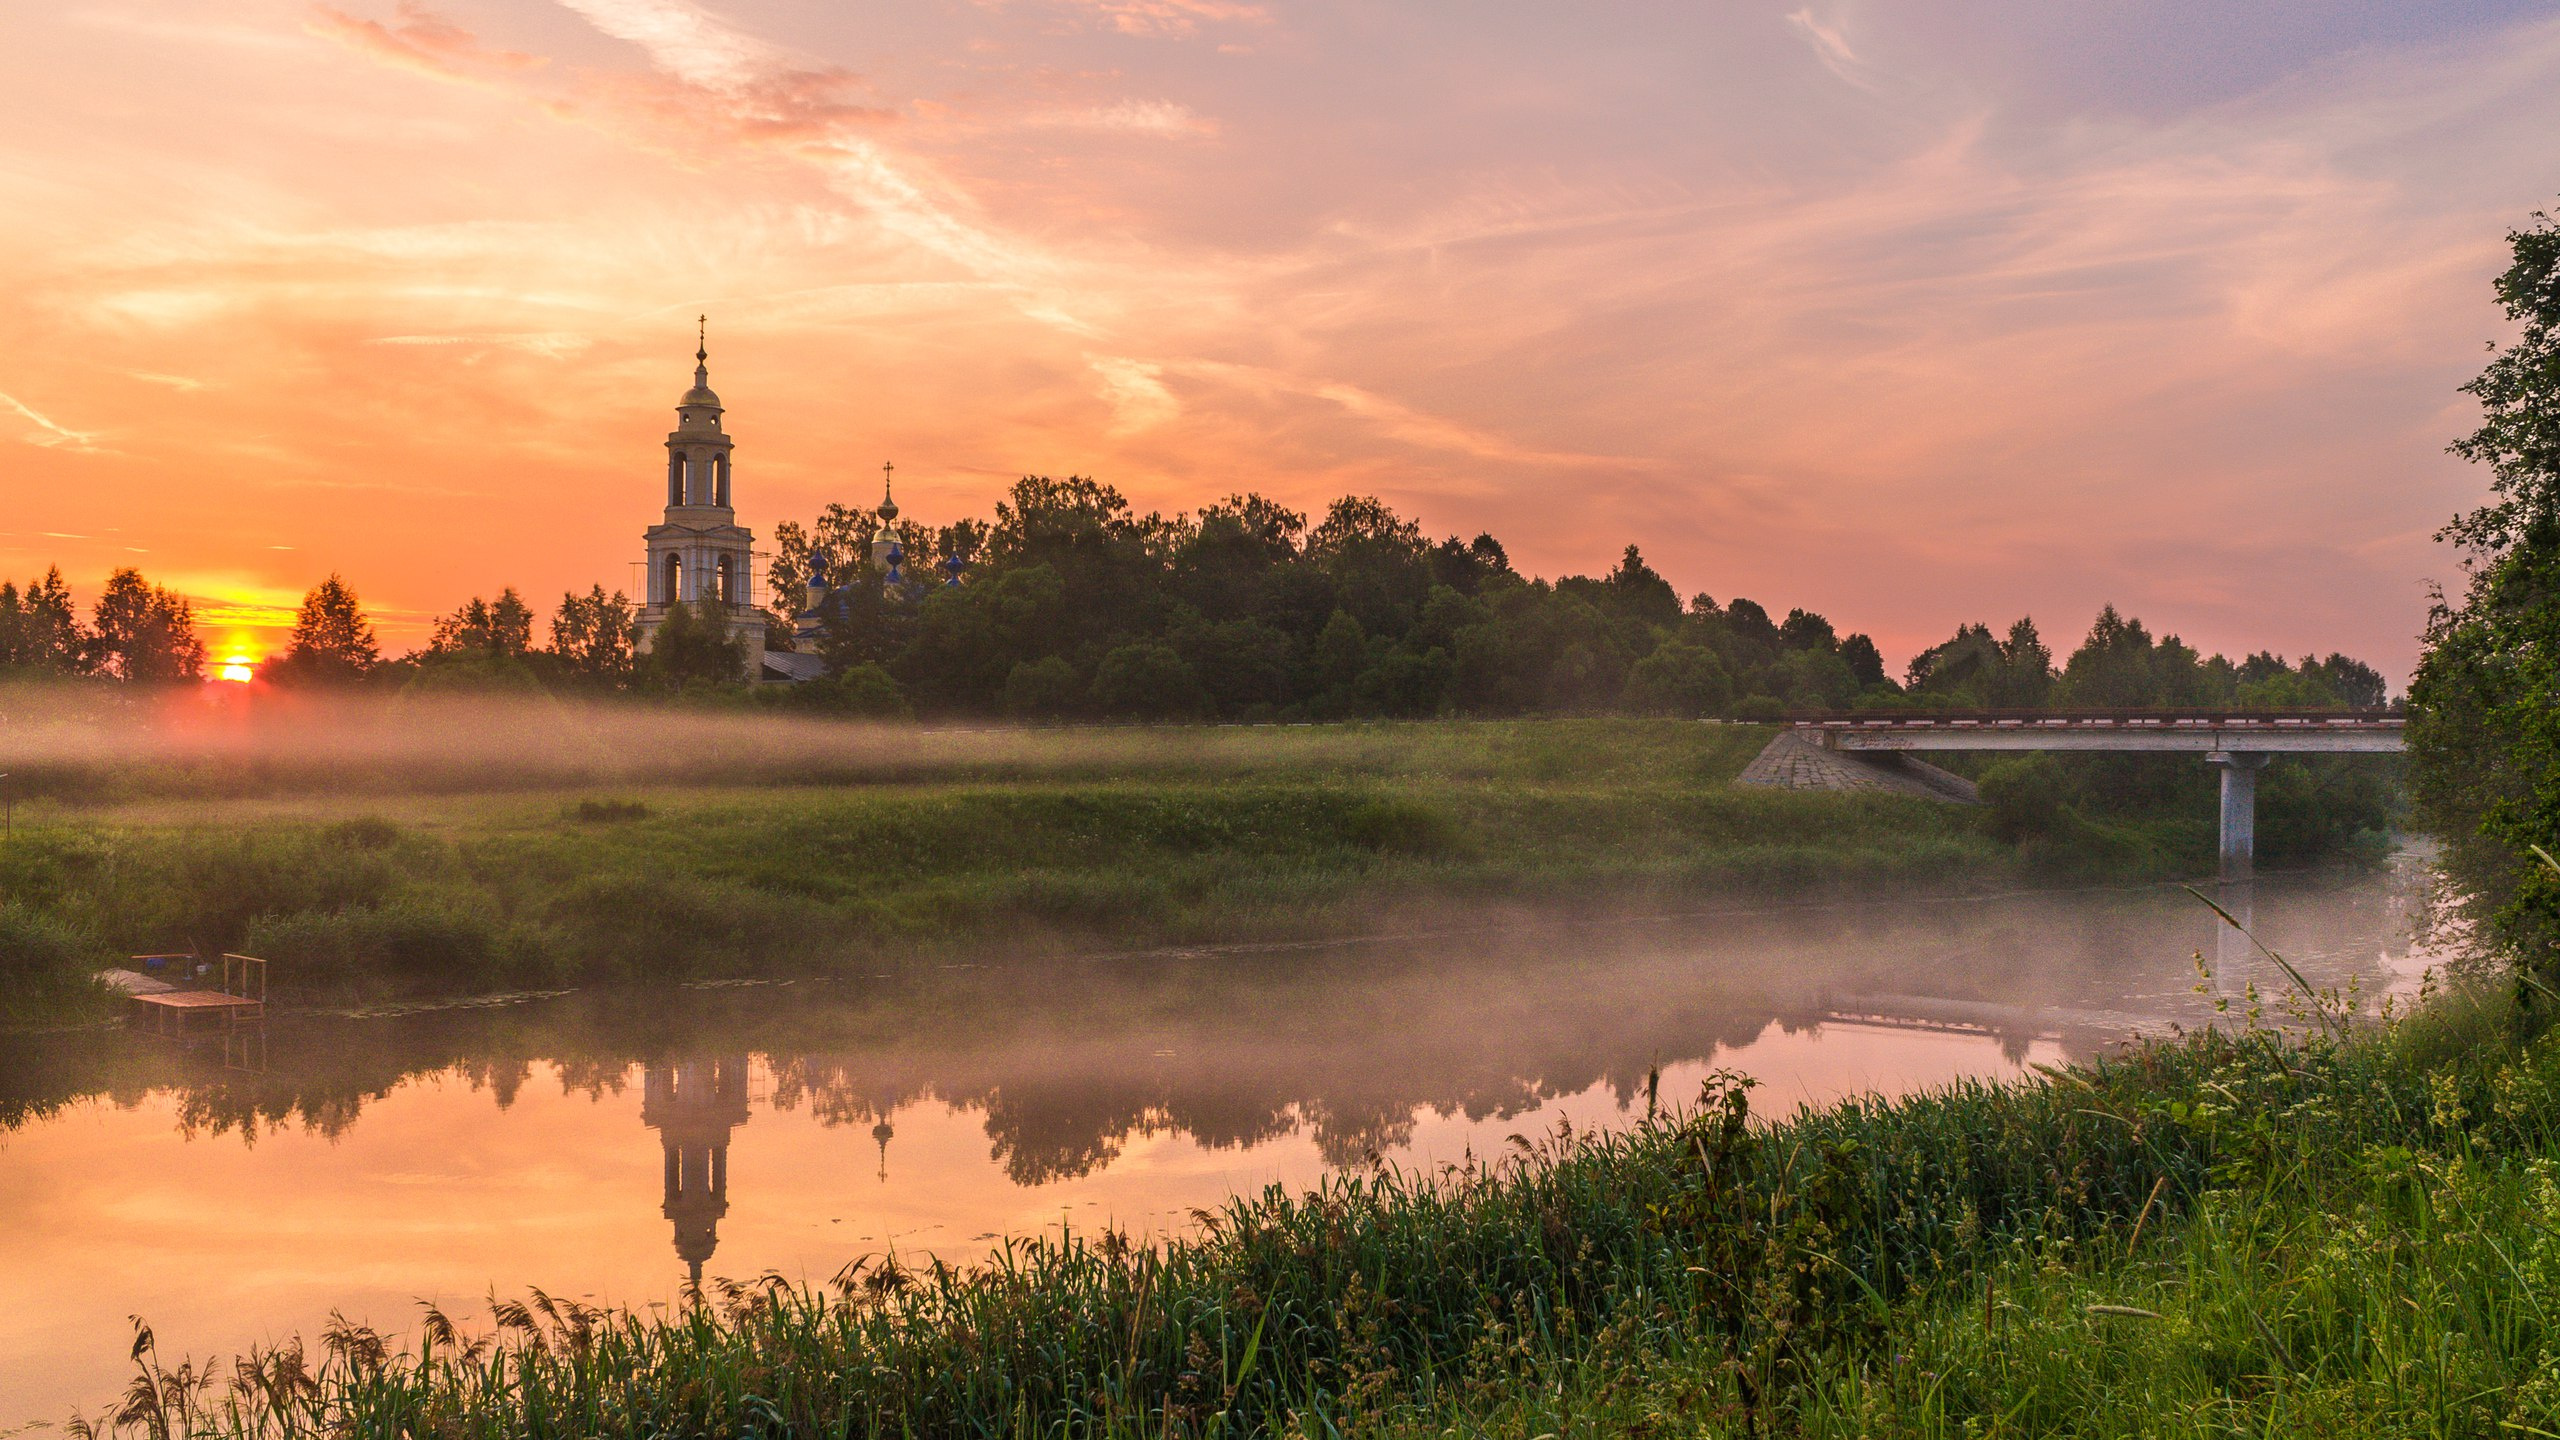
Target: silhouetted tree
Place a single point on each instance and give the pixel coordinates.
(591, 635)
(332, 642)
(144, 634)
(500, 628)
(40, 632)
(692, 645)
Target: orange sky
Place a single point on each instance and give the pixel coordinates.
(1909, 320)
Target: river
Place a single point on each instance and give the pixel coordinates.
(604, 1146)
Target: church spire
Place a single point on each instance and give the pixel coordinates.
(701, 393)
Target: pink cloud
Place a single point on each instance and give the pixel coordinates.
(419, 40)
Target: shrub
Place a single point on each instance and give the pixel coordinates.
(45, 965)
(868, 691)
(410, 945)
(472, 674)
(671, 927)
(2024, 797)
(1040, 688)
(1403, 827)
(225, 882)
(607, 811)
(1147, 680)
(1679, 678)
(2029, 801)
(1760, 709)
(368, 832)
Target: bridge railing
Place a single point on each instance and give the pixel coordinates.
(2129, 717)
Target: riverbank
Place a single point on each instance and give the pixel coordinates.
(520, 860)
(1220, 836)
(2228, 1230)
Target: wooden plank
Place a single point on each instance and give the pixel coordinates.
(199, 1000)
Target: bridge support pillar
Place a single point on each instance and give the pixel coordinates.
(2234, 955)
(2239, 811)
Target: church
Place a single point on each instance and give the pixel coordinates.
(700, 556)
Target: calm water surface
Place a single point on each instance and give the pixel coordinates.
(604, 1146)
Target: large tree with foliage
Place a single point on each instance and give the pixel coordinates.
(591, 636)
(40, 632)
(500, 628)
(2484, 734)
(332, 641)
(693, 646)
(144, 634)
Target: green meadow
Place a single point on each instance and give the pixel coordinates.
(1064, 841)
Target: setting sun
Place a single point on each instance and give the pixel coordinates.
(237, 668)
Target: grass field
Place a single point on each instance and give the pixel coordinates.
(400, 849)
(511, 868)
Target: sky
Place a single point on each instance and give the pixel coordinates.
(1911, 315)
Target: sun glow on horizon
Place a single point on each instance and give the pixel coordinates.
(237, 668)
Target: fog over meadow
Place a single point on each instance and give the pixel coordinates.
(221, 741)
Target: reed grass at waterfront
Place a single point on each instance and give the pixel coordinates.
(2221, 1230)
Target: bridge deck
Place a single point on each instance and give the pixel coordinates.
(2186, 732)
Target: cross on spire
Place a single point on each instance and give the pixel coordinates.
(701, 338)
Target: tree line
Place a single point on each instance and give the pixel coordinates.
(136, 632)
(1075, 606)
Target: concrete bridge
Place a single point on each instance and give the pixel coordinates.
(2240, 742)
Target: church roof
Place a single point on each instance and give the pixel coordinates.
(701, 393)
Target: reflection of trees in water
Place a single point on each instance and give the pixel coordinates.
(1069, 1063)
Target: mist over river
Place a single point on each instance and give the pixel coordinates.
(602, 1145)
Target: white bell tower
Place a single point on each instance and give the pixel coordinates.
(699, 554)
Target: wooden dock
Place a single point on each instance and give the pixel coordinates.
(168, 1005)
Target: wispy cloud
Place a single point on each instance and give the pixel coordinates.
(683, 40)
(1170, 17)
(553, 345)
(1137, 392)
(180, 383)
(1141, 117)
(1831, 46)
(48, 434)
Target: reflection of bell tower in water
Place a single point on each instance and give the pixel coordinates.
(694, 1105)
